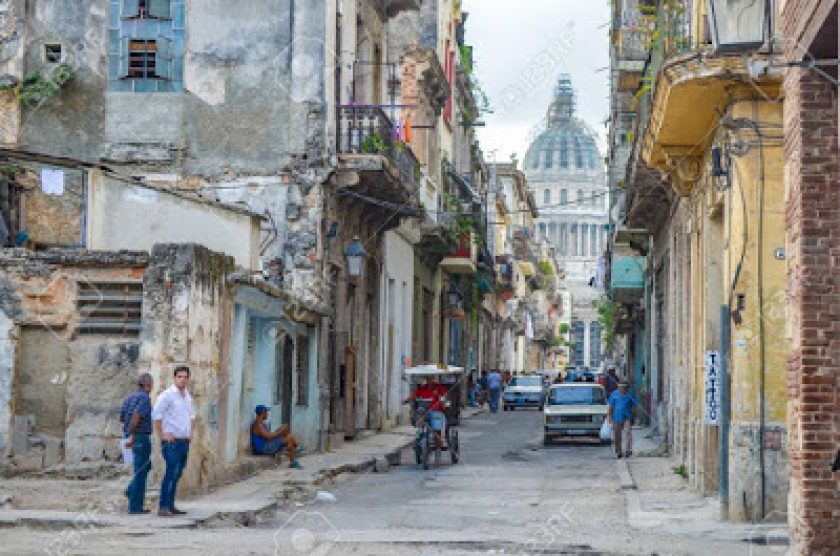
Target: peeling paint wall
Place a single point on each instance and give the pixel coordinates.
(60, 390)
(184, 316)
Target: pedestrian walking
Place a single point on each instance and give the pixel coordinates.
(483, 393)
(494, 387)
(172, 416)
(136, 417)
(611, 381)
(471, 389)
(622, 414)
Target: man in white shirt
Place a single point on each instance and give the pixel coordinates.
(172, 417)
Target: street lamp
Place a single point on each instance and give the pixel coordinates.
(453, 295)
(355, 254)
(739, 25)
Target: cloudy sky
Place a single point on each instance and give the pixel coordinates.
(521, 47)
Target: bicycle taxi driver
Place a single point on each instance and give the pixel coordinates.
(435, 393)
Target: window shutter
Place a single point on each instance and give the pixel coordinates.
(130, 8)
(123, 65)
(163, 60)
(160, 9)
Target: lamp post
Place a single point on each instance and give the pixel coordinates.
(453, 295)
(355, 255)
(739, 25)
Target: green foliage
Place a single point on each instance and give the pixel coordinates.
(564, 328)
(373, 144)
(680, 470)
(545, 268)
(607, 317)
(37, 88)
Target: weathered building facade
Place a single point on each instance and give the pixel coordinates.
(698, 258)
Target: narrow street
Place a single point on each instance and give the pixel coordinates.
(509, 495)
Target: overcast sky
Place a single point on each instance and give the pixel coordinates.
(521, 47)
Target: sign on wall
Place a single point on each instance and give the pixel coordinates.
(712, 388)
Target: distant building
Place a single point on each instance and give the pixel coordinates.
(566, 174)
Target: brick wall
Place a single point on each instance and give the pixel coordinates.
(813, 239)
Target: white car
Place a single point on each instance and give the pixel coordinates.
(574, 409)
(524, 391)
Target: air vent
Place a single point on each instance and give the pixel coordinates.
(110, 308)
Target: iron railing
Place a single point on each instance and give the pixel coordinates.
(368, 130)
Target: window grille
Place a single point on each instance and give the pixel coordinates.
(109, 308)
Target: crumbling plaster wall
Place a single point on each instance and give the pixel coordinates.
(186, 321)
(38, 292)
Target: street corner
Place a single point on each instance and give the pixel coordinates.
(306, 533)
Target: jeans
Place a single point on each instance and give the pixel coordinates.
(495, 394)
(142, 452)
(175, 456)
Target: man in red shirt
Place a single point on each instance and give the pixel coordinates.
(436, 394)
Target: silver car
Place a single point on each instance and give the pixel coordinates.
(574, 409)
(524, 391)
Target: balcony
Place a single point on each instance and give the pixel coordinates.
(368, 153)
(524, 243)
(464, 259)
(627, 279)
(631, 48)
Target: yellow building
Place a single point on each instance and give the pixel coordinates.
(705, 183)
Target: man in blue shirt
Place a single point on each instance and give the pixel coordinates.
(494, 385)
(136, 417)
(622, 414)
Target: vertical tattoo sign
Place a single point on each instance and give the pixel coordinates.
(712, 388)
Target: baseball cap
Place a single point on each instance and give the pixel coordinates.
(260, 408)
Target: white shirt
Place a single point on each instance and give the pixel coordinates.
(175, 411)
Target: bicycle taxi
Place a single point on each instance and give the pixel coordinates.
(435, 410)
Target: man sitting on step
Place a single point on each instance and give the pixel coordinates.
(268, 443)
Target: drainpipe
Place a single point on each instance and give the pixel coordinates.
(725, 339)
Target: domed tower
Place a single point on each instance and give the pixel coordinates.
(565, 171)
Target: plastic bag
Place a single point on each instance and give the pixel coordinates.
(606, 430)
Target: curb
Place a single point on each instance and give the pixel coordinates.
(624, 476)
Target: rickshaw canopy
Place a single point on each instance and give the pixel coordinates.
(432, 370)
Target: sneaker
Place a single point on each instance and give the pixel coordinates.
(140, 512)
(176, 511)
(295, 465)
(163, 512)
(618, 456)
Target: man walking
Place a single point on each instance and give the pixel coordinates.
(494, 385)
(622, 414)
(136, 417)
(173, 416)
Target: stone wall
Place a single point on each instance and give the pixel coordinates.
(60, 390)
(186, 320)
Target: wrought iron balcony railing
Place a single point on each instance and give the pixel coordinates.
(368, 130)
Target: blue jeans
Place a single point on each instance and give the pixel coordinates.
(175, 456)
(495, 393)
(142, 452)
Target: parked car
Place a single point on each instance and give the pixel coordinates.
(574, 409)
(524, 391)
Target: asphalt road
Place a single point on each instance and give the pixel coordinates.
(508, 495)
